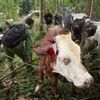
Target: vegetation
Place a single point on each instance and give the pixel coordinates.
(24, 83)
(15, 8)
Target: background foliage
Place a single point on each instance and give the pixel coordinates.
(15, 8)
(25, 81)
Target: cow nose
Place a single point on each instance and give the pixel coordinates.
(89, 83)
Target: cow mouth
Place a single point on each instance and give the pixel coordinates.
(81, 85)
(80, 80)
(85, 83)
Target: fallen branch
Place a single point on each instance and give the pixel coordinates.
(2, 79)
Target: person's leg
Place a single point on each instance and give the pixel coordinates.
(10, 57)
(22, 53)
(41, 75)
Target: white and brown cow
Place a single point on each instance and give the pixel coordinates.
(73, 71)
(68, 64)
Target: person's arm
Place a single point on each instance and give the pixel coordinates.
(46, 49)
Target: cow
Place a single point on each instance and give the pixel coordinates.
(76, 23)
(65, 17)
(92, 39)
(77, 28)
(67, 62)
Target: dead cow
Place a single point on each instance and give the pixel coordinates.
(67, 63)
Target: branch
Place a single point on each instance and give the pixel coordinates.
(29, 15)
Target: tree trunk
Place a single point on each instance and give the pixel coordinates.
(88, 7)
(57, 5)
(41, 14)
(91, 10)
(76, 2)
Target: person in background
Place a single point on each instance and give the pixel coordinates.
(57, 19)
(48, 17)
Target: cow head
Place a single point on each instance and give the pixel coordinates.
(67, 19)
(68, 63)
(89, 29)
(77, 24)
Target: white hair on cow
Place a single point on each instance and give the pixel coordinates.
(1, 35)
(96, 22)
(63, 25)
(87, 20)
(78, 15)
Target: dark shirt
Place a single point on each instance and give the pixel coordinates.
(57, 20)
(48, 18)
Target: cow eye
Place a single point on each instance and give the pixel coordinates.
(66, 61)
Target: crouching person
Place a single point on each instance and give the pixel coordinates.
(17, 41)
